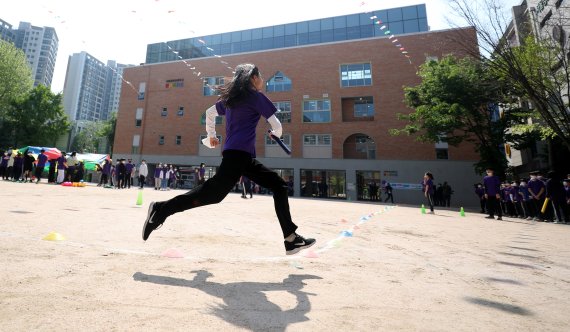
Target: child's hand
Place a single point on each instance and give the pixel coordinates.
(214, 141)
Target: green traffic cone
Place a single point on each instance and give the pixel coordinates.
(462, 212)
(139, 198)
(423, 209)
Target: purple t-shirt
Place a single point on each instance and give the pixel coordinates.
(431, 189)
(60, 162)
(535, 185)
(241, 121)
(492, 185)
(42, 159)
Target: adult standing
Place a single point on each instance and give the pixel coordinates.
(143, 173)
(492, 185)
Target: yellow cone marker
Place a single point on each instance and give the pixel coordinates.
(53, 236)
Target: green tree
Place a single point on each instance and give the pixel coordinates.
(37, 118)
(87, 140)
(536, 65)
(457, 101)
(15, 81)
(108, 132)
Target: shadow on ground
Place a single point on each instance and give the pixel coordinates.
(513, 309)
(245, 304)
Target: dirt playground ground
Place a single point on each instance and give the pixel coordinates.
(223, 267)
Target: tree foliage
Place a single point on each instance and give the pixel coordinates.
(15, 75)
(536, 66)
(37, 118)
(87, 140)
(456, 102)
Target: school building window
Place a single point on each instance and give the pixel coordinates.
(278, 83)
(323, 183)
(283, 111)
(180, 111)
(441, 150)
(142, 87)
(178, 140)
(317, 111)
(211, 85)
(364, 107)
(136, 144)
(164, 111)
(138, 117)
(161, 140)
(441, 154)
(203, 119)
(317, 139)
(356, 74)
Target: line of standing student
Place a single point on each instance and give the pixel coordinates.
(526, 199)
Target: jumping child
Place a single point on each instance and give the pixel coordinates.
(243, 104)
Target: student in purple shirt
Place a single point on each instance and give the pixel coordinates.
(18, 166)
(537, 189)
(42, 159)
(524, 199)
(429, 190)
(129, 173)
(61, 165)
(243, 104)
(492, 186)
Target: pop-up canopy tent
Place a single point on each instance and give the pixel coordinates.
(89, 159)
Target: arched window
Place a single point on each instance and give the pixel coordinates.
(278, 83)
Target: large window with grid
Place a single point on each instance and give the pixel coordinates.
(278, 83)
(356, 74)
(318, 110)
(283, 111)
(317, 139)
(364, 107)
(211, 85)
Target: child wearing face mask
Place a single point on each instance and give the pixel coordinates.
(537, 190)
(524, 200)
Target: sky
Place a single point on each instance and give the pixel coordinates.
(121, 29)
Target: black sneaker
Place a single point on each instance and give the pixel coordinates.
(298, 244)
(499, 218)
(150, 224)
